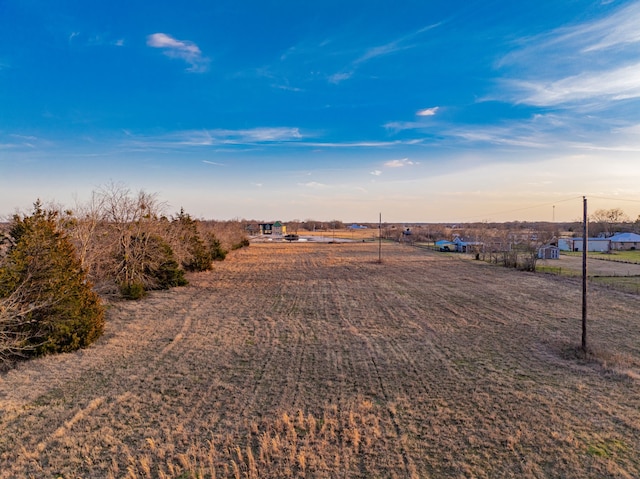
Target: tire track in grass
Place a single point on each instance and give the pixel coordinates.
(70, 387)
(66, 427)
(186, 324)
(289, 321)
(262, 342)
(206, 408)
(365, 342)
(412, 358)
(107, 398)
(218, 320)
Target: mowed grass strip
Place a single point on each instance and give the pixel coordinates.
(315, 360)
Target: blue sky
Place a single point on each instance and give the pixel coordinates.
(419, 110)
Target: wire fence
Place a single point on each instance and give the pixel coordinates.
(624, 281)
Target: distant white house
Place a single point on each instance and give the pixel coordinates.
(601, 245)
(625, 241)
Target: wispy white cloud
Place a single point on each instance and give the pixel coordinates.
(101, 41)
(557, 133)
(182, 49)
(561, 130)
(361, 144)
(371, 53)
(16, 141)
(339, 77)
(590, 87)
(618, 29)
(95, 40)
(260, 135)
(212, 163)
(400, 163)
(314, 185)
(223, 140)
(567, 45)
(214, 138)
(29, 138)
(503, 136)
(403, 125)
(376, 172)
(382, 50)
(428, 111)
(588, 66)
(633, 130)
(238, 137)
(287, 87)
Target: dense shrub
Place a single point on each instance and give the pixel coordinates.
(149, 263)
(231, 235)
(47, 300)
(243, 243)
(197, 253)
(167, 272)
(133, 290)
(216, 251)
(199, 256)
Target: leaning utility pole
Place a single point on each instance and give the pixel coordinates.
(585, 247)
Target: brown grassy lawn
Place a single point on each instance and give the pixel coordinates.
(312, 360)
(601, 270)
(596, 266)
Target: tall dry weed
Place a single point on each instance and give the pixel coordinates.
(289, 445)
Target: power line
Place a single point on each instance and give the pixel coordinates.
(614, 199)
(514, 210)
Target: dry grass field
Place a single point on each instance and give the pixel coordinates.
(313, 360)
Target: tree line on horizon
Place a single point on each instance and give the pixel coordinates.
(57, 265)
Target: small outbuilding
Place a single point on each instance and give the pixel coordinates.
(549, 251)
(445, 245)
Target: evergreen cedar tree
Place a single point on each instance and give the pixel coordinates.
(201, 252)
(68, 314)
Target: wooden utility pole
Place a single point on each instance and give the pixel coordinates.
(585, 247)
(380, 239)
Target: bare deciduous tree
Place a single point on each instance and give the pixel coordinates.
(607, 221)
(16, 312)
(84, 229)
(133, 225)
